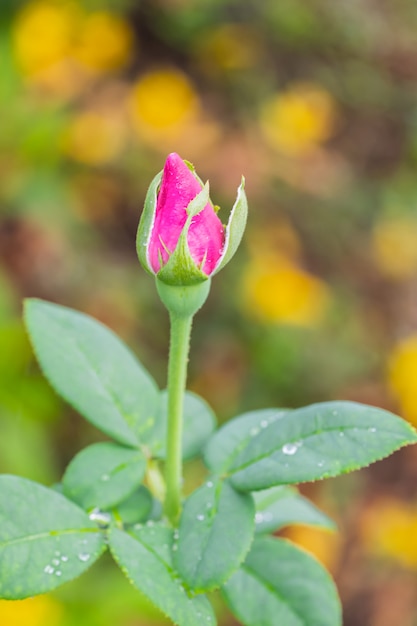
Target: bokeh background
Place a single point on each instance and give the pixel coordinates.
(315, 103)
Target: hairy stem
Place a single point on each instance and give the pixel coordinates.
(177, 376)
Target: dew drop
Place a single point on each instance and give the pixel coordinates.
(264, 423)
(209, 505)
(84, 556)
(341, 434)
(58, 573)
(253, 432)
(209, 484)
(334, 412)
(57, 553)
(259, 518)
(64, 558)
(103, 519)
(200, 517)
(290, 448)
(150, 523)
(55, 562)
(372, 430)
(48, 569)
(320, 463)
(105, 477)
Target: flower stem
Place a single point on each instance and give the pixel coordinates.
(177, 376)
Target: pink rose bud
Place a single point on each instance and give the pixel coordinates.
(205, 236)
(180, 239)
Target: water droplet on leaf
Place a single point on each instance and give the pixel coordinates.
(290, 448)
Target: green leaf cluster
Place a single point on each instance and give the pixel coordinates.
(111, 492)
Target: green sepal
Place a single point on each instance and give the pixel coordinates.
(145, 224)
(235, 226)
(181, 269)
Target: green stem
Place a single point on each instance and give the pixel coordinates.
(177, 376)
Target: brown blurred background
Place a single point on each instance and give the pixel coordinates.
(315, 103)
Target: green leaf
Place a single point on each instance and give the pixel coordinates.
(227, 442)
(146, 560)
(282, 506)
(281, 584)
(93, 370)
(45, 540)
(103, 475)
(316, 442)
(137, 507)
(209, 545)
(199, 423)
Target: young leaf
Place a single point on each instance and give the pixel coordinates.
(93, 370)
(227, 442)
(137, 507)
(215, 533)
(103, 475)
(45, 540)
(281, 506)
(199, 423)
(281, 584)
(316, 442)
(145, 558)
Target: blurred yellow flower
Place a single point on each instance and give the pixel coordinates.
(394, 246)
(43, 34)
(298, 119)
(95, 138)
(278, 235)
(37, 611)
(162, 102)
(275, 290)
(50, 32)
(389, 528)
(105, 42)
(402, 373)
